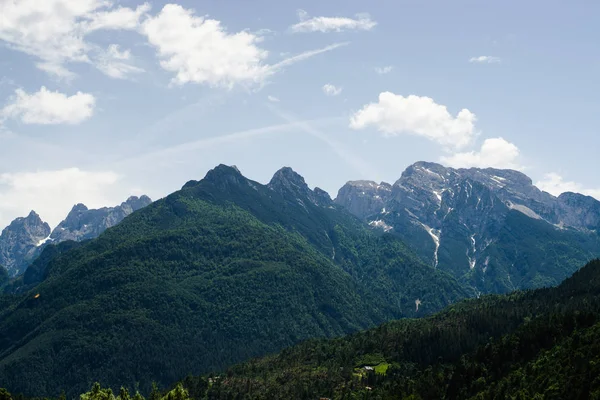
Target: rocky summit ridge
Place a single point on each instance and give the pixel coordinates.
(488, 226)
(24, 239)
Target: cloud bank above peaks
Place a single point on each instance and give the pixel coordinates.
(52, 193)
(494, 153)
(555, 184)
(363, 22)
(395, 115)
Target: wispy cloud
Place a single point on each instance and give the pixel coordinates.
(485, 60)
(363, 22)
(175, 151)
(331, 90)
(384, 70)
(273, 99)
(362, 167)
(307, 54)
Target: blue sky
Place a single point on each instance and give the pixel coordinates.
(100, 100)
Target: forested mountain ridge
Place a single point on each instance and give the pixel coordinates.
(490, 228)
(543, 343)
(221, 271)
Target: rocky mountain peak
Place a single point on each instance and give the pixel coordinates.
(364, 198)
(288, 179)
(83, 223)
(19, 241)
(288, 182)
(222, 176)
(136, 203)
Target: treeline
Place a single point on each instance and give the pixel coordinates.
(99, 393)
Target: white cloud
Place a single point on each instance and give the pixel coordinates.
(273, 99)
(485, 60)
(331, 90)
(120, 18)
(55, 31)
(52, 193)
(384, 70)
(394, 115)
(363, 22)
(555, 184)
(200, 50)
(495, 153)
(47, 107)
(116, 63)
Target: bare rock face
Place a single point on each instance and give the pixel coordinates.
(364, 198)
(25, 238)
(491, 227)
(20, 241)
(83, 223)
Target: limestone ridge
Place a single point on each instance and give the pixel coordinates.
(82, 223)
(489, 226)
(25, 238)
(19, 242)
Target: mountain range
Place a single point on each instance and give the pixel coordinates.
(227, 269)
(24, 239)
(492, 229)
(223, 270)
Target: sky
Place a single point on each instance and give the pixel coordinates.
(100, 100)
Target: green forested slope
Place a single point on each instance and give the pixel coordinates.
(527, 345)
(224, 270)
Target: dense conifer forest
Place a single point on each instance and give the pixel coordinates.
(537, 344)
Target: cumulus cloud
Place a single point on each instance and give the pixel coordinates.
(555, 184)
(495, 153)
(52, 193)
(54, 31)
(331, 90)
(384, 70)
(363, 22)
(485, 60)
(200, 50)
(46, 107)
(395, 115)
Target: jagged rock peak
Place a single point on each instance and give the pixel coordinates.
(322, 196)
(136, 202)
(19, 240)
(288, 182)
(79, 207)
(288, 178)
(223, 171)
(219, 175)
(369, 185)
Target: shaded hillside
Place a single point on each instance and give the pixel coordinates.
(536, 344)
(224, 270)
